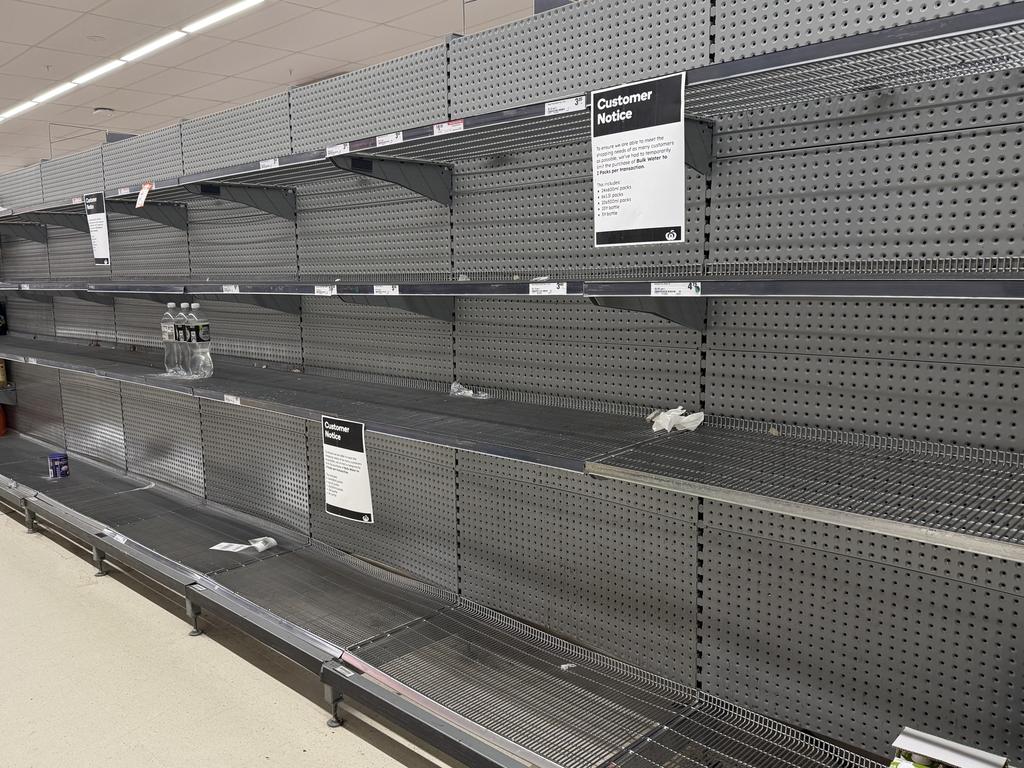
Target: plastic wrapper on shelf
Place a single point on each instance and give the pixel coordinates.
(458, 390)
(676, 419)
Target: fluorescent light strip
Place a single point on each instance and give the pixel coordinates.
(223, 13)
(17, 110)
(156, 45)
(101, 70)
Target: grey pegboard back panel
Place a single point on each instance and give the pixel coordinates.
(227, 241)
(402, 93)
(359, 228)
(80, 319)
(254, 131)
(746, 28)
(71, 256)
(163, 438)
(569, 352)
(39, 412)
(603, 563)
(847, 645)
(72, 176)
(414, 508)
(367, 343)
(253, 332)
(20, 258)
(532, 214)
(959, 104)
(138, 321)
(22, 188)
(909, 204)
(576, 48)
(30, 316)
(93, 423)
(256, 463)
(143, 248)
(149, 157)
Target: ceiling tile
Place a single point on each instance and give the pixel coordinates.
(234, 58)
(9, 51)
(257, 20)
(21, 88)
(484, 14)
(308, 31)
(310, 3)
(398, 53)
(51, 65)
(174, 14)
(118, 99)
(182, 106)
(177, 54)
(175, 82)
(298, 68)
(29, 24)
(118, 36)
(372, 42)
(440, 19)
(379, 10)
(231, 89)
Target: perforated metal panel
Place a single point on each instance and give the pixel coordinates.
(163, 439)
(21, 188)
(375, 343)
(29, 315)
(253, 131)
(21, 258)
(414, 516)
(402, 93)
(70, 253)
(256, 463)
(228, 240)
(38, 413)
(138, 322)
(82, 319)
(570, 352)
(598, 561)
(361, 228)
(142, 248)
(93, 424)
(942, 371)
(532, 214)
(747, 28)
(246, 330)
(855, 634)
(72, 176)
(578, 47)
(149, 157)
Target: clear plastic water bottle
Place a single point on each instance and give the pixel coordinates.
(201, 360)
(172, 363)
(182, 335)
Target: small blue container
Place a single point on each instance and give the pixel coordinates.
(59, 465)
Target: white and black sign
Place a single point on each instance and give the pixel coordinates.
(638, 144)
(96, 215)
(346, 476)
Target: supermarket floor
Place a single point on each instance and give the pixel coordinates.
(101, 671)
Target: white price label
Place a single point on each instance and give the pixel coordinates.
(229, 289)
(452, 126)
(233, 399)
(563, 106)
(675, 289)
(385, 290)
(120, 538)
(124, 190)
(24, 286)
(325, 290)
(271, 163)
(76, 200)
(548, 289)
(337, 149)
(31, 361)
(389, 138)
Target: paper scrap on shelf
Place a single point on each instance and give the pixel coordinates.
(675, 419)
(261, 544)
(226, 546)
(459, 390)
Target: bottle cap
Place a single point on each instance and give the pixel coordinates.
(184, 305)
(170, 304)
(195, 305)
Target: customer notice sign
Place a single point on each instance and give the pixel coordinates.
(96, 216)
(346, 477)
(637, 148)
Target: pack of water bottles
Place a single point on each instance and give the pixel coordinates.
(186, 335)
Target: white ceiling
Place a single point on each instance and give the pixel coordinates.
(280, 43)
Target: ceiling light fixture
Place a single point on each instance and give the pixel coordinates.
(101, 70)
(155, 45)
(223, 13)
(17, 110)
(54, 92)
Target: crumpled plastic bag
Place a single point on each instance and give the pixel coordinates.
(676, 419)
(458, 390)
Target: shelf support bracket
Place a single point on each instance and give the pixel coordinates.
(436, 307)
(699, 137)
(277, 201)
(35, 232)
(430, 180)
(169, 214)
(687, 311)
(67, 220)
